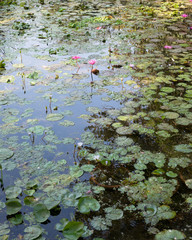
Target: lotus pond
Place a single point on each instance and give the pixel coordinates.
(95, 119)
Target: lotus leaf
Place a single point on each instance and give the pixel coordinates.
(5, 153)
(34, 75)
(73, 230)
(13, 206)
(32, 232)
(54, 116)
(113, 213)
(41, 212)
(12, 191)
(86, 204)
(170, 234)
(188, 182)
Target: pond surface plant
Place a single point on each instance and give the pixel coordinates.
(106, 160)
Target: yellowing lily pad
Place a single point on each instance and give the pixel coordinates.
(7, 79)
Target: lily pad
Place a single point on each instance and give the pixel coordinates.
(86, 204)
(170, 115)
(13, 206)
(41, 212)
(184, 148)
(113, 213)
(54, 116)
(12, 192)
(32, 232)
(5, 153)
(7, 79)
(170, 234)
(188, 182)
(73, 230)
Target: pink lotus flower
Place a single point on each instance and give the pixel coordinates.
(167, 47)
(184, 15)
(191, 27)
(92, 62)
(132, 65)
(98, 28)
(76, 57)
(190, 0)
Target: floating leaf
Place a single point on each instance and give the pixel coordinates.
(60, 226)
(12, 191)
(75, 171)
(7, 79)
(5, 153)
(33, 232)
(67, 123)
(171, 174)
(171, 115)
(86, 204)
(113, 213)
(17, 219)
(124, 130)
(39, 130)
(88, 167)
(34, 75)
(158, 171)
(188, 182)
(73, 230)
(184, 148)
(41, 212)
(54, 116)
(170, 234)
(13, 206)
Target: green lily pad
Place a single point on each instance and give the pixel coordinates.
(39, 130)
(113, 213)
(124, 130)
(17, 219)
(5, 153)
(12, 191)
(171, 174)
(184, 148)
(158, 171)
(13, 206)
(60, 226)
(34, 75)
(88, 167)
(32, 232)
(54, 116)
(73, 230)
(67, 123)
(41, 212)
(86, 204)
(123, 141)
(170, 234)
(188, 182)
(170, 115)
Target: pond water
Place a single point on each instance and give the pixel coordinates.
(95, 155)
